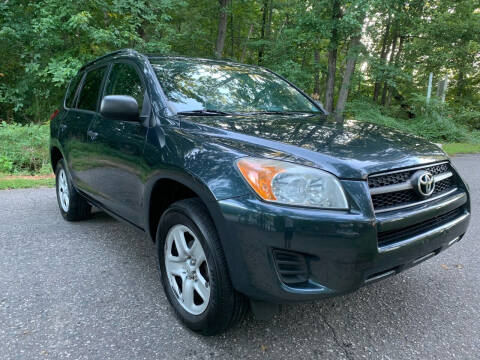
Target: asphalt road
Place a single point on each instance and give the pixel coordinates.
(90, 290)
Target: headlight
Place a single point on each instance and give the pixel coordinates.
(292, 184)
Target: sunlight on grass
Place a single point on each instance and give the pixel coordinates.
(461, 148)
(11, 182)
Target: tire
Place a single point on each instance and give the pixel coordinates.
(225, 307)
(73, 206)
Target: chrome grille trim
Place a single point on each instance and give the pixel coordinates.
(405, 185)
(409, 169)
(440, 177)
(439, 229)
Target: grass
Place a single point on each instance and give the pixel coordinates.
(21, 182)
(461, 148)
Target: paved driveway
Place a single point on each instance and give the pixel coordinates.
(90, 291)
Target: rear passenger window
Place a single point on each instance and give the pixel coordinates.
(89, 95)
(72, 89)
(124, 80)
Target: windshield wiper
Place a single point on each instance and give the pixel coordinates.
(273, 112)
(208, 112)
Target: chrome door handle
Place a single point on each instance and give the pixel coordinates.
(92, 134)
(63, 127)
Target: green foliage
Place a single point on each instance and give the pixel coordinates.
(43, 43)
(6, 165)
(24, 149)
(435, 121)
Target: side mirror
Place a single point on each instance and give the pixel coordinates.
(120, 107)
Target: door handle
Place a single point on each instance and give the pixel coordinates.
(63, 127)
(92, 134)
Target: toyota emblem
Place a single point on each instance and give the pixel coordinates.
(424, 183)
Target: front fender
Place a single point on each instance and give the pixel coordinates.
(169, 150)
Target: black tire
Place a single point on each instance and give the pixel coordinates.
(78, 208)
(226, 306)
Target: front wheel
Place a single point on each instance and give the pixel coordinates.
(73, 206)
(194, 271)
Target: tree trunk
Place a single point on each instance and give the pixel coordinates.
(390, 62)
(332, 58)
(222, 29)
(330, 87)
(383, 55)
(316, 87)
(263, 30)
(268, 27)
(244, 51)
(231, 35)
(461, 83)
(395, 63)
(400, 48)
(347, 76)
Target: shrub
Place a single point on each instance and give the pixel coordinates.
(24, 148)
(433, 121)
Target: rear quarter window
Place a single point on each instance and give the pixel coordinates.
(88, 98)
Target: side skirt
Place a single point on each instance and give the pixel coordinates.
(108, 211)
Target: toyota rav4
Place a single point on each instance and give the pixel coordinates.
(252, 194)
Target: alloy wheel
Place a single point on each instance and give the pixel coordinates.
(63, 192)
(187, 269)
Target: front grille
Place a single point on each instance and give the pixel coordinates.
(403, 176)
(387, 200)
(393, 236)
(291, 266)
(408, 197)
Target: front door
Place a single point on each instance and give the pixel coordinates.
(118, 146)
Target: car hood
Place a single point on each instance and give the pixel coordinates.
(347, 148)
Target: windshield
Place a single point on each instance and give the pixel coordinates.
(202, 85)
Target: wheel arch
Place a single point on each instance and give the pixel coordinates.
(164, 189)
(55, 156)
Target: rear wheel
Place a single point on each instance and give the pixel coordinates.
(73, 206)
(194, 271)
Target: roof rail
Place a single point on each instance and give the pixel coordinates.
(108, 55)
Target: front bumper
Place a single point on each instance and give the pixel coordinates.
(340, 247)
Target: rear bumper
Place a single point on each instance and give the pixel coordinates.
(340, 249)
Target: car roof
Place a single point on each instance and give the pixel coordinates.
(197, 60)
(152, 57)
(106, 57)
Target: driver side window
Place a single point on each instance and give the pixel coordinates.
(124, 80)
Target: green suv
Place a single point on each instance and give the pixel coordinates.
(252, 194)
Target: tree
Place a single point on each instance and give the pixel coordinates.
(332, 56)
(320, 45)
(354, 19)
(349, 69)
(222, 28)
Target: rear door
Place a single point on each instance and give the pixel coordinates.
(118, 147)
(67, 123)
(75, 126)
